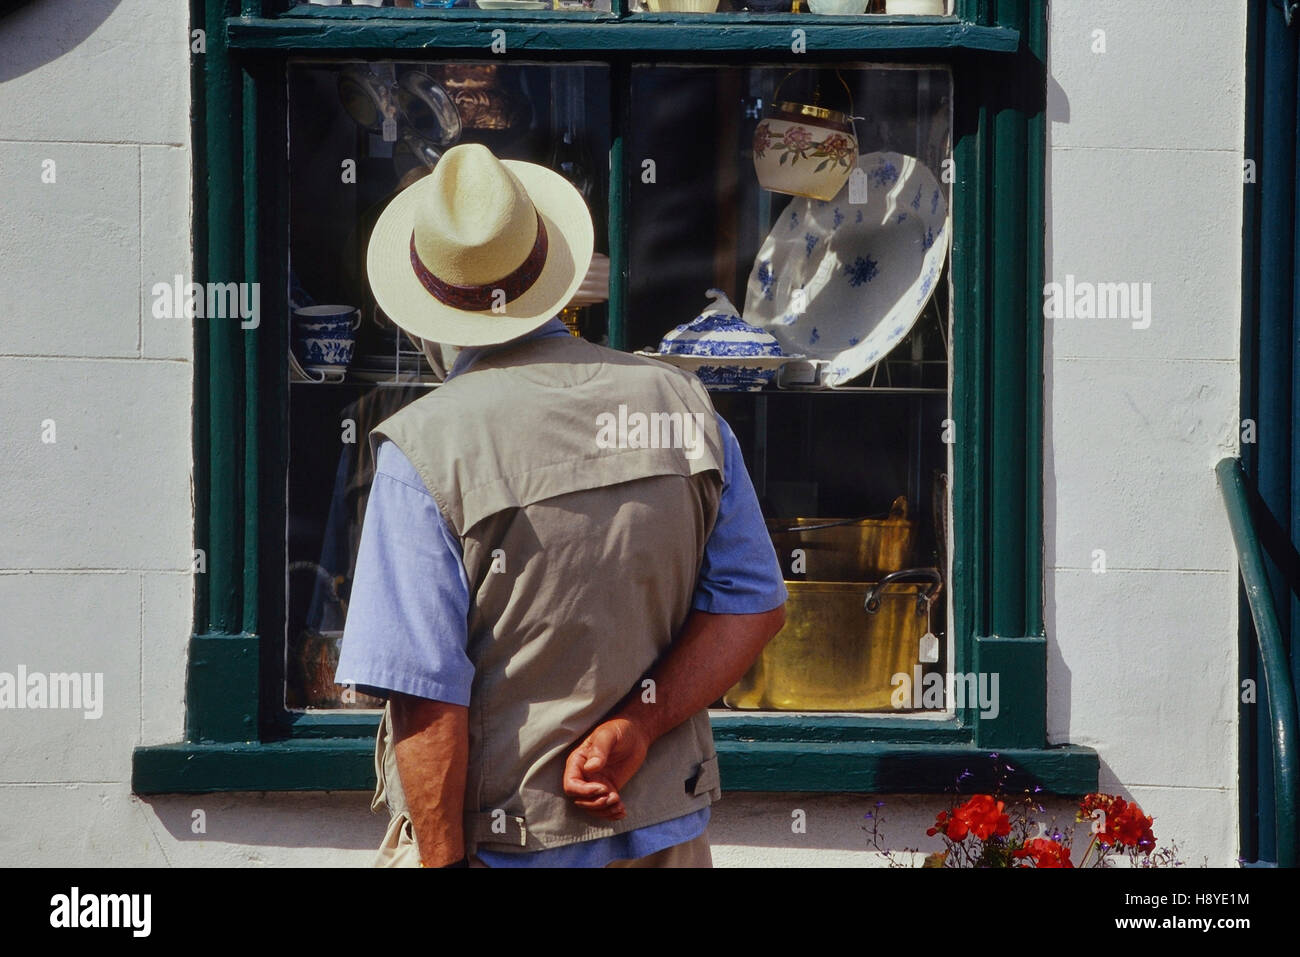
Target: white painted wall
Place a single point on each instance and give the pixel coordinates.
(1144, 183)
(97, 526)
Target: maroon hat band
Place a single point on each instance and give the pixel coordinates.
(479, 297)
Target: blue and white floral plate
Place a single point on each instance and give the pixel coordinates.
(844, 282)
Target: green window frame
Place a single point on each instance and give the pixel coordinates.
(238, 738)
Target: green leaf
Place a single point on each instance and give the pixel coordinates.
(821, 166)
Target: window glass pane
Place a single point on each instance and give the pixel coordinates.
(816, 8)
(856, 280)
(359, 133)
(853, 480)
(496, 5)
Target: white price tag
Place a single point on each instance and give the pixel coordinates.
(857, 186)
(929, 652)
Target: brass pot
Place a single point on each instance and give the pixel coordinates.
(833, 654)
(843, 550)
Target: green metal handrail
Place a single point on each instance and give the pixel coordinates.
(1277, 672)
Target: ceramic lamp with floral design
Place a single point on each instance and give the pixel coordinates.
(804, 150)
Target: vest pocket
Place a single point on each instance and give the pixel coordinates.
(496, 827)
(706, 779)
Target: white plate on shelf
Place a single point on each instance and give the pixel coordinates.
(513, 5)
(845, 282)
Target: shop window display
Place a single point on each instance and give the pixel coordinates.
(786, 237)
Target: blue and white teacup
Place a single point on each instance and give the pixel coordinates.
(324, 336)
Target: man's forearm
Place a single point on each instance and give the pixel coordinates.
(710, 655)
(431, 742)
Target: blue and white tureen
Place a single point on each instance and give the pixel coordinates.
(727, 353)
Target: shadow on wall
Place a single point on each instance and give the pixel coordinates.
(339, 820)
(1059, 679)
(26, 37)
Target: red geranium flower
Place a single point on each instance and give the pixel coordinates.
(984, 817)
(981, 816)
(1092, 802)
(1044, 852)
(1131, 828)
(940, 824)
(1125, 824)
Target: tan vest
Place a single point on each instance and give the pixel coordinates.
(583, 484)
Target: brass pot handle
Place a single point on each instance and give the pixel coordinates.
(923, 598)
(897, 512)
(817, 90)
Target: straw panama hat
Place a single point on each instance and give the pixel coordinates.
(480, 251)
